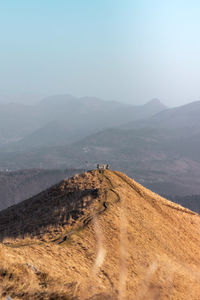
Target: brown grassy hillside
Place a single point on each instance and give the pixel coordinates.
(19, 185)
(99, 235)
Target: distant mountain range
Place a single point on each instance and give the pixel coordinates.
(162, 151)
(63, 119)
(158, 146)
(182, 117)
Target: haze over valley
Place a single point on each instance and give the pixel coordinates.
(156, 145)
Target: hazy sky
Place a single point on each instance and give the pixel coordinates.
(126, 50)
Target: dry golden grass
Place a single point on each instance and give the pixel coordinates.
(99, 235)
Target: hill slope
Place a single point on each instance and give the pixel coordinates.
(20, 185)
(99, 235)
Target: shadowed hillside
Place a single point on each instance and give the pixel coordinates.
(99, 235)
(20, 185)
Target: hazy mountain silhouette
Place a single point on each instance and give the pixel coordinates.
(180, 126)
(154, 157)
(184, 118)
(62, 119)
(161, 152)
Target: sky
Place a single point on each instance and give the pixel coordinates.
(125, 50)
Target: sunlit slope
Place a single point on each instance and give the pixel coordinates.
(99, 235)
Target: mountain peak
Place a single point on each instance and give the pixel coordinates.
(97, 236)
(155, 102)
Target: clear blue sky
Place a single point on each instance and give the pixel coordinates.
(123, 50)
